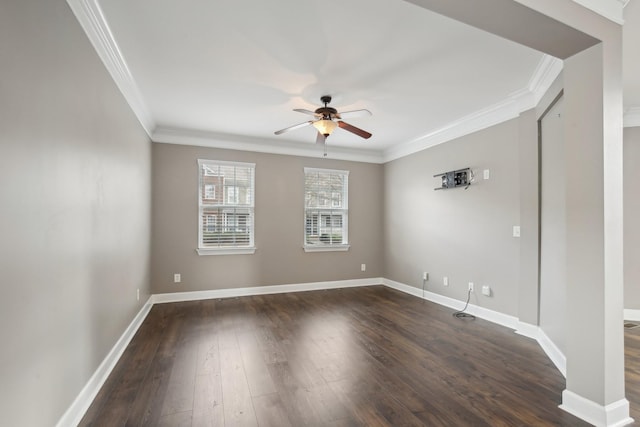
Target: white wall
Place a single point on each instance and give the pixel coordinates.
(75, 191)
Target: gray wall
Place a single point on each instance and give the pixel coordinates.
(75, 191)
(553, 227)
(279, 223)
(631, 216)
(465, 235)
(528, 293)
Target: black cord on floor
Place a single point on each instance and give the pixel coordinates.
(461, 314)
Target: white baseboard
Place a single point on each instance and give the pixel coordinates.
(549, 347)
(484, 313)
(553, 352)
(631, 314)
(522, 328)
(528, 330)
(613, 415)
(262, 290)
(79, 407)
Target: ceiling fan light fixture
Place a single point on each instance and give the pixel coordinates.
(325, 126)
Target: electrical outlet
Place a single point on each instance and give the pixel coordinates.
(486, 174)
(137, 294)
(471, 286)
(445, 281)
(486, 290)
(425, 276)
(516, 231)
(363, 267)
(177, 278)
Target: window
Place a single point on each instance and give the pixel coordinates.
(326, 210)
(209, 191)
(232, 195)
(210, 223)
(225, 224)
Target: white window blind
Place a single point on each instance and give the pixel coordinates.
(226, 207)
(326, 209)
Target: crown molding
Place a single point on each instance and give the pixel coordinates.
(549, 68)
(493, 115)
(166, 135)
(522, 100)
(632, 116)
(92, 20)
(610, 9)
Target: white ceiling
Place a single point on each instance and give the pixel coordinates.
(229, 73)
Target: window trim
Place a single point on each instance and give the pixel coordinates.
(226, 250)
(335, 247)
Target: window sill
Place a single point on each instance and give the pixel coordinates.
(326, 248)
(226, 251)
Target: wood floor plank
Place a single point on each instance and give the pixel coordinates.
(258, 376)
(270, 411)
(176, 419)
(367, 356)
(207, 402)
(238, 407)
(180, 389)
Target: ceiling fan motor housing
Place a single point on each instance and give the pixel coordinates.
(325, 123)
(327, 113)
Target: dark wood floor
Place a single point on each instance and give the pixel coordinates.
(350, 357)
(632, 371)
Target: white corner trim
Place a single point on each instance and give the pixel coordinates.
(81, 404)
(262, 290)
(553, 352)
(94, 24)
(632, 116)
(610, 9)
(613, 415)
(178, 136)
(632, 314)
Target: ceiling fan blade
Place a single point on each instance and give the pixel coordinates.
(303, 111)
(320, 139)
(298, 126)
(363, 133)
(354, 113)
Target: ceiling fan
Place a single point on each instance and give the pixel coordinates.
(327, 119)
